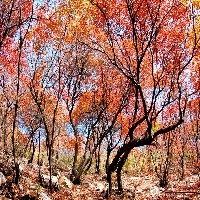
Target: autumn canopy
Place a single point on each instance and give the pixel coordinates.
(87, 78)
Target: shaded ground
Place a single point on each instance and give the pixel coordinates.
(94, 186)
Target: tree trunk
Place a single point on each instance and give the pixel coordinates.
(119, 170)
(109, 180)
(107, 159)
(111, 168)
(90, 164)
(33, 153)
(75, 156)
(50, 167)
(182, 166)
(120, 159)
(39, 161)
(97, 159)
(17, 173)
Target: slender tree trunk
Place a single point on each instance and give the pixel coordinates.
(15, 119)
(98, 159)
(197, 137)
(109, 180)
(50, 166)
(90, 164)
(4, 131)
(111, 168)
(182, 166)
(33, 153)
(119, 170)
(120, 159)
(40, 162)
(17, 173)
(75, 156)
(84, 165)
(107, 159)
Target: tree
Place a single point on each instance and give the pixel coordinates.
(13, 15)
(92, 113)
(16, 18)
(103, 75)
(151, 44)
(81, 79)
(48, 99)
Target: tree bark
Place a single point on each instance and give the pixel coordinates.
(119, 170)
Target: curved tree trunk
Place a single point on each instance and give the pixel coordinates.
(111, 168)
(120, 159)
(119, 170)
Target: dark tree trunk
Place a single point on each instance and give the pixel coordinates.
(120, 159)
(77, 180)
(119, 170)
(90, 164)
(50, 166)
(97, 159)
(39, 161)
(75, 156)
(107, 160)
(109, 180)
(111, 168)
(17, 174)
(33, 153)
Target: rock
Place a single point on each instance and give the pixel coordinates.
(100, 187)
(33, 186)
(45, 181)
(2, 179)
(20, 165)
(34, 166)
(154, 191)
(65, 182)
(43, 196)
(21, 168)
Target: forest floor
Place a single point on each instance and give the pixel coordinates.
(93, 186)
